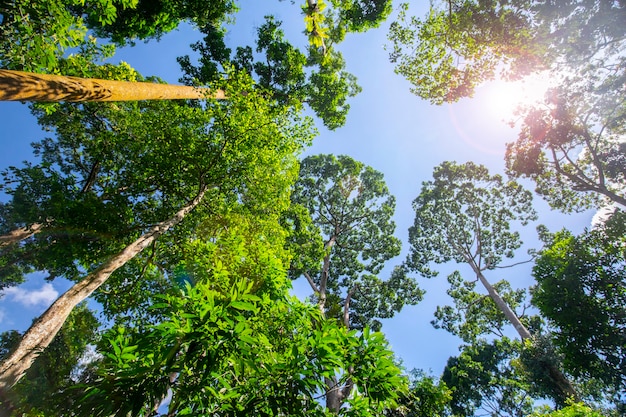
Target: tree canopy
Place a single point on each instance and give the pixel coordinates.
(183, 228)
(586, 273)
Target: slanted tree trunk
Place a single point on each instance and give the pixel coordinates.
(504, 307)
(558, 378)
(26, 86)
(43, 330)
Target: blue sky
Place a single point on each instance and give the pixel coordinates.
(388, 128)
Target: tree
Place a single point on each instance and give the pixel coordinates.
(35, 36)
(577, 44)
(484, 377)
(586, 274)
(288, 75)
(427, 397)
(329, 25)
(225, 151)
(350, 224)
(465, 215)
(343, 234)
(475, 315)
(152, 19)
(572, 147)
(461, 44)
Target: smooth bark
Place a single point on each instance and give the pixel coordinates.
(26, 86)
(559, 379)
(504, 307)
(43, 330)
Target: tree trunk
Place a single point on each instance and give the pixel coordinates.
(25, 86)
(20, 234)
(504, 307)
(333, 395)
(328, 247)
(43, 330)
(558, 378)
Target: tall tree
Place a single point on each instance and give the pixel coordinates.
(225, 151)
(55, 369)
(342, 238)
(581, 282)
(465, 215)
(572, 147)
(24, 86)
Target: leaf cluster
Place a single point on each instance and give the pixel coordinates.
(281, 70)
(465, 214)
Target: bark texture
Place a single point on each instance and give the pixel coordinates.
(45, 328)
(20, 234)
(26, 86)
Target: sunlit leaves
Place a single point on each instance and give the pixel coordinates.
(238, 352)
(572, 147)
(459, 46)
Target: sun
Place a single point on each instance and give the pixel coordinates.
(500, 98)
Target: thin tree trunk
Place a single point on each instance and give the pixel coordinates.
(504, 307)
(333, 395)
(558, 378)
(346, 308)
(26, 86)
(20, 234)
(325, 274)
(43, 330)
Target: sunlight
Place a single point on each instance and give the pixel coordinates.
(501, 98)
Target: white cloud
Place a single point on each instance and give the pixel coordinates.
(30, 298)
(603, 214)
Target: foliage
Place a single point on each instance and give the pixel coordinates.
(113, 169)
(484, 377)
(461, 44)
(148, 19)
(572, 147)
(586, 274)
(427, 397)
(329, 25)
(350, 235)
(34, 36)
(454, 49)
(465, 215)
(282, 70)
(572, 410)
(474, 315)
(237, 352)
